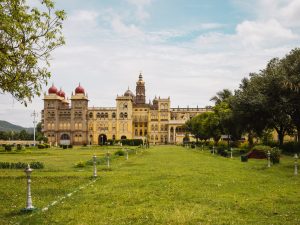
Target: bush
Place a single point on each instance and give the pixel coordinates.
(41, 146)
(65, 146)
(263, 148)
(80, 164)
(19, 147)
(244, 145)
(291, 147)
(21, 165)
(275, 155)
(8, 148)
(120, 153)
(132, 142)
(244, 158)
(70, 146)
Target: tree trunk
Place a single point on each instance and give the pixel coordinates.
(298, 134)
(250, 139)
(280, 132)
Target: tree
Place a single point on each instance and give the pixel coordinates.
(221, 96)
(291, 83)
(27, 37)
(196, 126)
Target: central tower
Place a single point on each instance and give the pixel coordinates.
(140, 97)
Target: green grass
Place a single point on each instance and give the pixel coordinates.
(163, 185)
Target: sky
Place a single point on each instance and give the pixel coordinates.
(188, 50)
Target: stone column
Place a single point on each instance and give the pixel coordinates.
(174, 135)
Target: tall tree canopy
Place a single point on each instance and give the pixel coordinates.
(27, 37)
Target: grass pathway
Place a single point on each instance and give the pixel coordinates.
(172, 185)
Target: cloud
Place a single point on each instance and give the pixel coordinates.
(141, 13)
(106, 49)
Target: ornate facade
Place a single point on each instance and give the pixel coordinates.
(74, 122)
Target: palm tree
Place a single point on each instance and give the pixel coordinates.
(221, 96)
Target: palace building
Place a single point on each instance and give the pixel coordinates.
(73, 122)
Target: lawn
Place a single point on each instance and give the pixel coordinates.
(162, 185)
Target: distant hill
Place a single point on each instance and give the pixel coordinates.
(6, 126)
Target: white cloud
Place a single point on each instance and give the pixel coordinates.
(264, 34)
(141, 13)
(105, 51)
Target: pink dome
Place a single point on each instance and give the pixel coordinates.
(79, 90)
(52, 90)
(61, 93)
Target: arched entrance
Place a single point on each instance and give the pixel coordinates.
(65, 139)
(102, 139)
(123, 137)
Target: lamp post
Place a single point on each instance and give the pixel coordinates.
(29, 206)
(34, 114)
(231, 153)
(126, 154)
(107, 156)
(296, 164)
(213, 150)
(95, 167)
(269, 159)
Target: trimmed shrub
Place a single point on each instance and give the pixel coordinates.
(41, 146)
(19, 147)
(21, 165)
(8, 148)
(132, 142)
(80, 164)
(65, 146)
(70, 146)
(120, 153)
(244, 158)
(275, 155)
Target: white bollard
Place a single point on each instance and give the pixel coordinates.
(202, 147)
(213, 150)
(269, 159)
(296, 164)
(231, 153)
(29, 206)
(126, 154)
(108, 163)
(95, 166)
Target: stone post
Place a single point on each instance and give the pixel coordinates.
(213, 150)
(107, 155)
(269, 159)
(296, 164)
(29, 206)
(95, 166)
(231, 153)
(126, 154)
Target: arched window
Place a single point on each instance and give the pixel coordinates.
(98, 115)
(125, 115)
(113, 115)
(121, 115)
(90, 115)
(102, 115)
(106, 115)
